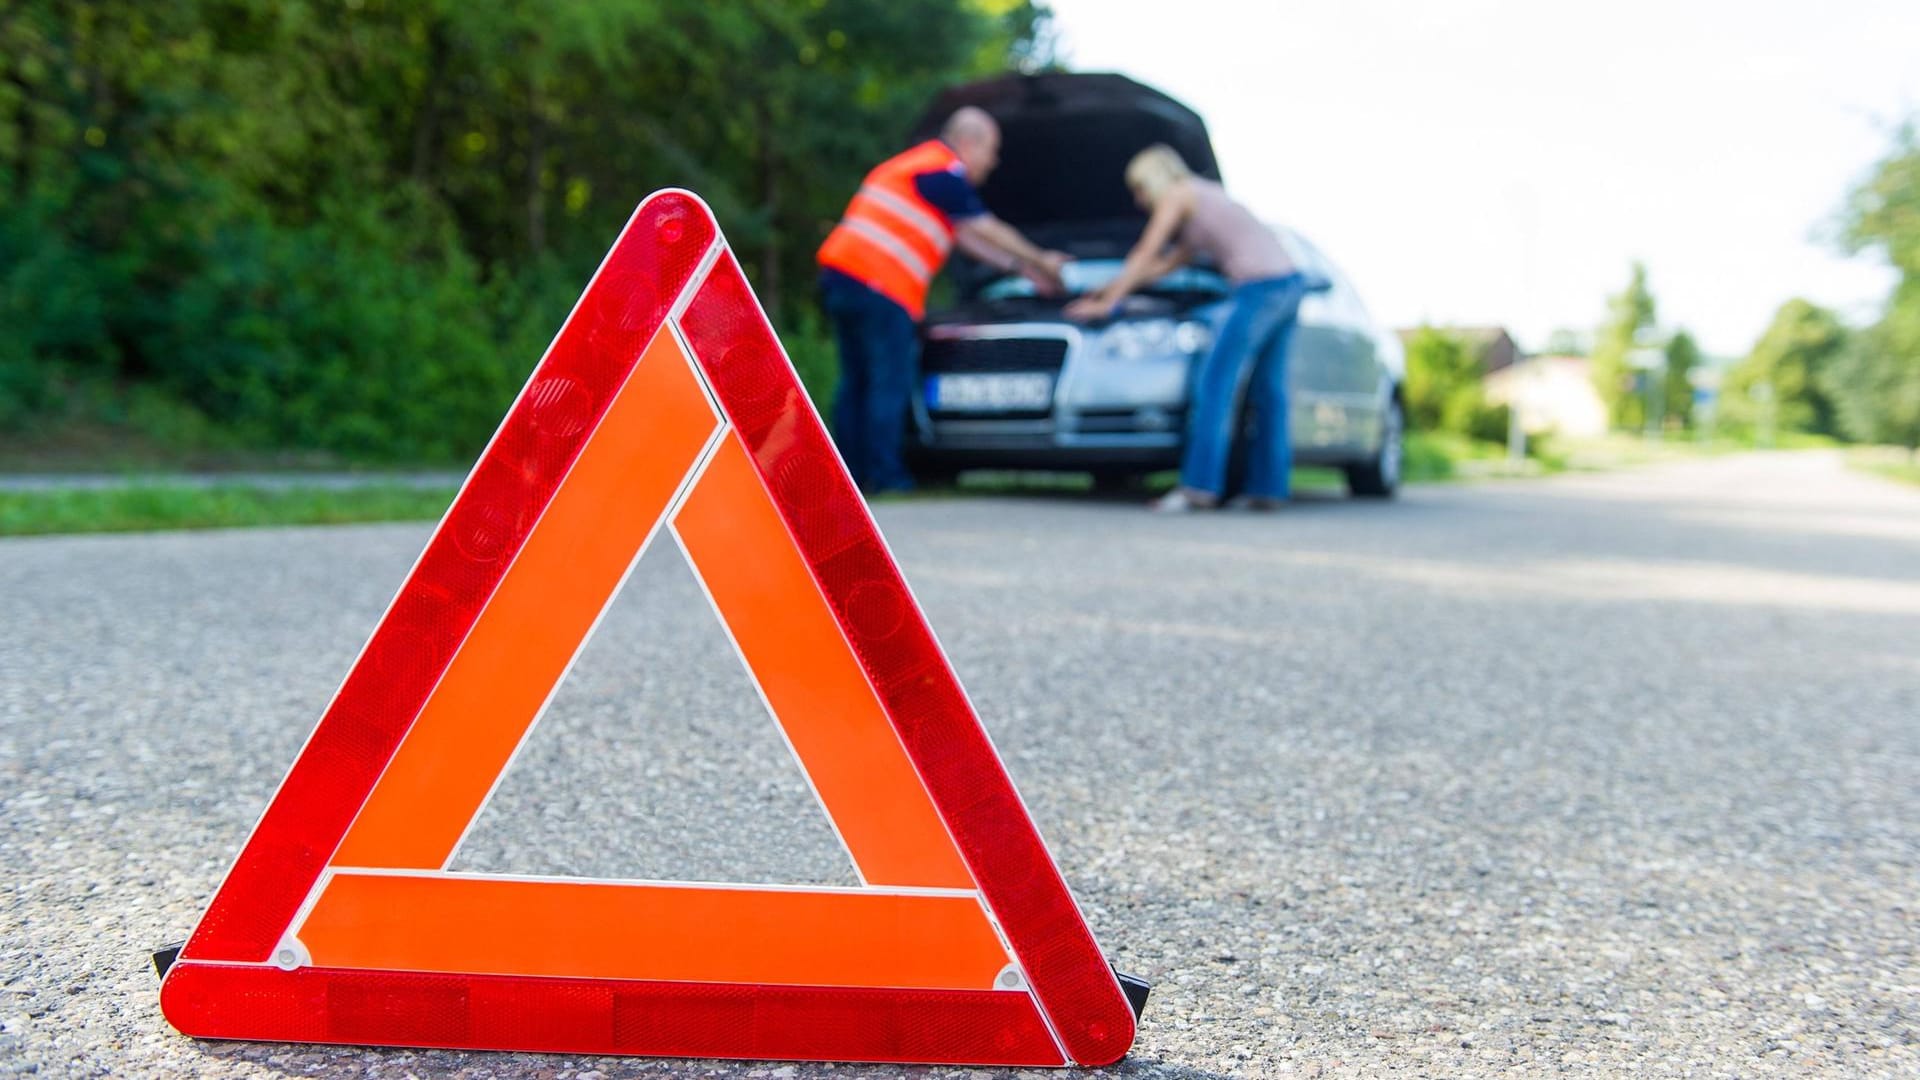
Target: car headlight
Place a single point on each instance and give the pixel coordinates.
(1192, 337)
(1135, 340)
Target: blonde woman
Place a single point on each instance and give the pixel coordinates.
(1192, 216)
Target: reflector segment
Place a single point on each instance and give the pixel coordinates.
(749, 373)
(607, 1016)
(787, 634)
(566, 571)
(564, 400)
(605, 930)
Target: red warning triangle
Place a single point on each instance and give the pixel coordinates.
(664, 405)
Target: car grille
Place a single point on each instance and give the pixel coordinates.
(945, 355)
(1129, 421)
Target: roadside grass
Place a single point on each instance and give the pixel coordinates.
(1440, 455)
(160, 506)
(78, 446)
(141, 506)
(1623, 450)
(1431, 457)
(1891, 462)
(1437, 456)
(146, 507)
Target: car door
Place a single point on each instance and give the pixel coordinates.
(1355, 392)
(1334, 366)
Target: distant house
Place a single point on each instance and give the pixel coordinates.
(1492, 344)
(1550, 393)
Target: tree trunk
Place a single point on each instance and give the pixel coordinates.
(770, 204)
(426, 116)
(536, 165)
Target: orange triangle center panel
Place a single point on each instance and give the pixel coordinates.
(665, 405)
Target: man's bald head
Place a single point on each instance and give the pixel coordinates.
(969, 122)
(975, 138)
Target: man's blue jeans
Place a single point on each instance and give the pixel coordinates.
(1249, 351)
(879, 362)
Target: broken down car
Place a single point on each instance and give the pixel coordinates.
(1007, 382)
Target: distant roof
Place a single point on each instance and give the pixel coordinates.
(1479, 335)
(1495, 345)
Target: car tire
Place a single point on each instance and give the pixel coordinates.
(1379, 477)
(1118, 482)
(935, 476)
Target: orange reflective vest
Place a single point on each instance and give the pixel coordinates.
(890, 238)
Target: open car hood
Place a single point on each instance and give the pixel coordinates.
(1065, 143)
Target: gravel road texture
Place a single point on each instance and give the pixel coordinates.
(1599, 775)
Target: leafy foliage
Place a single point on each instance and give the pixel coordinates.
(352, 225)
(1631, 320)
(1443, 380)
(1874, 381)
(1779, 387)
(1565, 341)
(1883, 212)
(1683, 356)
(1443, 389)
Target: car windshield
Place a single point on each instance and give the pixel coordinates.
(1086, 275)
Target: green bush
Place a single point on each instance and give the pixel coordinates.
(1439, 369)
(341, 335)
(354, 228)
(810, 345)
(1487, 423)
(1426, 458)
(53, 304)
(1443, 389)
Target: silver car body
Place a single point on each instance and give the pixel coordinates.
(1116, 394)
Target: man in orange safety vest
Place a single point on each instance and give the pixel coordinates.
(876, 265)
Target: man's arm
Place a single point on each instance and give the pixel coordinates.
(989, 232)
(985, 237)
(980, 250)
(999, 244)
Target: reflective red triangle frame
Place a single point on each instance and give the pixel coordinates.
(223, 984)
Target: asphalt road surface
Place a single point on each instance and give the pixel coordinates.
(1586, 776)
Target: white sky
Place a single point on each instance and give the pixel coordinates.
(1481, 161)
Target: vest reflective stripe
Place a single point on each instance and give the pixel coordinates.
(932, 228)
(890, 238)
(907, 256)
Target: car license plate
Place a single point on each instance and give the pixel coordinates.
(995, 392)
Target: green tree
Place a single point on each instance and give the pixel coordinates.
(352, 225)
(1565, 341)
(1874, 382)
(1779, 386)
(1440, 369)
(1631, 319)
(1683, 356)
(1444, 391)
(1883, 213)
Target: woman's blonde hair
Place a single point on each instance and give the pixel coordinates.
(1155, 169)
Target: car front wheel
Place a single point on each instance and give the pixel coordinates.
(1379, 478)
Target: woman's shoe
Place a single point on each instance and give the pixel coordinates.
(1257, 503)
(1182, 500)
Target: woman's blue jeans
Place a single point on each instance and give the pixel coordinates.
(1250, 351)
